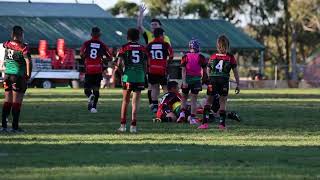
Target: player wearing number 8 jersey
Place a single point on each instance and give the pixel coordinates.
(219, 66)
(92, 52)
(161, 53)
(132, 60)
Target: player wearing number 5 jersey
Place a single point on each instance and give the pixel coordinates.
(132, 60)
(92, 52)
(219, 66)
(161, 53)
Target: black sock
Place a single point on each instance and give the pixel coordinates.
(222, 117)
(87, 92)
(96, 98)
(6, 109)
(206, 112)
(155, 103)
(15, 115)
(149, 97)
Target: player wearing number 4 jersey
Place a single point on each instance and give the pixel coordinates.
(219, 67)
(132, 60)
(92, 52)
(161, 53)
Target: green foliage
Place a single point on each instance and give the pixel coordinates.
(128, 9)
(160, 7)
(279, 138)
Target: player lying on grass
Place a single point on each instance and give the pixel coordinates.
(92, 53)
(219, 67)
(160, 54)
(170, 106)
(132, 60)
(18, 66)
(193, 66)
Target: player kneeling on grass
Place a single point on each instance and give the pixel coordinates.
(193, 69)
(132, 59)
(219, 67)
(160, 53)
(18, 70)
(170, 104)
(92, 52)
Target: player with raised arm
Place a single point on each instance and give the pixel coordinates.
(18, 70)
(160, 53)
(149, 36)
(92, 53)
(132, 60)
(193, 66)
(219, 66)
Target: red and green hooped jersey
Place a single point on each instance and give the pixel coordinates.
(134, 57)
(14, 59)
(221, 64)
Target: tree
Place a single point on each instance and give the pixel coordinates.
(127, 9)
(160, 7)
(197, 9)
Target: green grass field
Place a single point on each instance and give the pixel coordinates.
(279, 138)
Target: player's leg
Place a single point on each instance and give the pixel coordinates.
(7, 104)
(207, 108)
(184, 98)
(88, 90)
(223, 104)
(96, 93)
(147, 81)
(126, 92)
(18, 91)
(155, 92)
(234, 116)
(135, 107)
(195, 89)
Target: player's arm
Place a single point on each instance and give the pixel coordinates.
(82, 50)
(236, 74)
(142, 9)
(184, 71)
(204, 65)
(171, 53)
(107, 54)
(28, 60)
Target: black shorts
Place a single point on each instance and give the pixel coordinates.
(218, 85)
(132, 86)
(158, 79)
(195, 88)
(92, 81)
(15, 83)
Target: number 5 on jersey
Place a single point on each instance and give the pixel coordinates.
(219, 66)
(135, 57)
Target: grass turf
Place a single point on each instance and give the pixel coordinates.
(278, 139)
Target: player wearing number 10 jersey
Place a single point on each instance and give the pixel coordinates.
(161, 53)
(92, 52)
(132, 60)
(219, 67)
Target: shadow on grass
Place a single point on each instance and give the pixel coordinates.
(54, 155)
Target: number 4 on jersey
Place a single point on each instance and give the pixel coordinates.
(219, 66)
